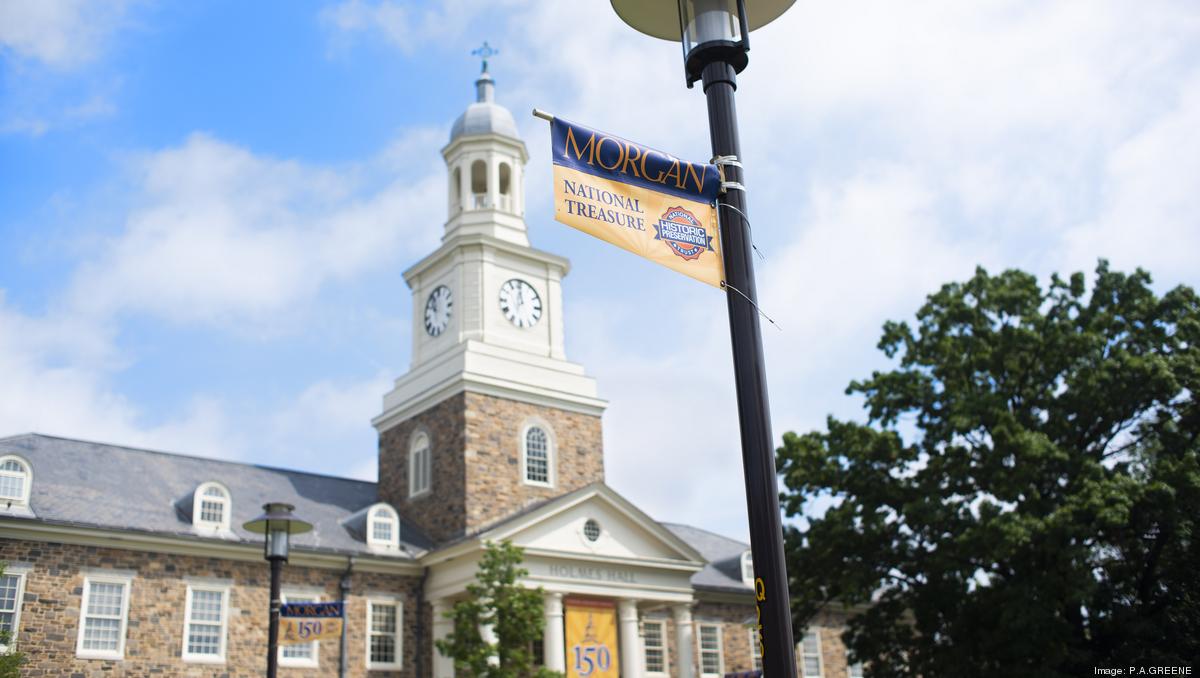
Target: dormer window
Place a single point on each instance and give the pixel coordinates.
(15, 480)
(748, 569)
(211, 507)
(383, 528)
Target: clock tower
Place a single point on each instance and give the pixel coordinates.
(491, 416)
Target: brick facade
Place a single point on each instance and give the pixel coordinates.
(49, 625)
(735, 638)
(476, 477)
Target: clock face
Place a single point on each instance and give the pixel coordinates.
(437, 310)
(520, 303)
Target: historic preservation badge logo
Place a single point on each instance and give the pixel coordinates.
(683, 233)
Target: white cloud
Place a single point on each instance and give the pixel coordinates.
(59, 33)
(217, 235)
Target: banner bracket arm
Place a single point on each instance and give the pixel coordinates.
(539, 113)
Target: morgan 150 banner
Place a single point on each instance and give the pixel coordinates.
(591, 639)
(306, 622)
(637, 198)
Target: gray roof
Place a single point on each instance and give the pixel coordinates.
(724, 555)
(91, 484)
(484, 116)
(88, 484)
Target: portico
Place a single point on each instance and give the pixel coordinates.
(590, 547)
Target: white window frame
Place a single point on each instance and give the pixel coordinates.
(747, 559)
(26, 475)
(700, 650)
(551, 454)
(662, 625)
(755, 657)
(125, 580)
(218, 658)
(393, 517)
(394, 601)
(226, 508)
(301, 662)
(20, 572)
(802, 655)
(420, 478)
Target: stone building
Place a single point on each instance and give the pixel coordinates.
(133, 562)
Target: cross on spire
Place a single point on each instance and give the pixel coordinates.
(485, 52)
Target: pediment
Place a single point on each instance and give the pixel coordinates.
(625, 532)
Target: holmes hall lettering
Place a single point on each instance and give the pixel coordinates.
(593, 573)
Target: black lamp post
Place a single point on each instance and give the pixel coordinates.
(277, 523)
(715, 35)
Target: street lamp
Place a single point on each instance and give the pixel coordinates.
(715, 35)
(277, 523)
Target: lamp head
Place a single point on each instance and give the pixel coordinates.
(709, 30)
(277, 523)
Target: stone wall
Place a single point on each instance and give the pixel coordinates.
(441, 512)
(49, 624)
(495, 480)
(476, 475)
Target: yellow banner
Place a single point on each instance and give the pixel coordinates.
(591, 639)
(297, 630)
(666, 229)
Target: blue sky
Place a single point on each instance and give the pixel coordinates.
(207, 206)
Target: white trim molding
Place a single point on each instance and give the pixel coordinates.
(715, 630)
(224, 500)
(313, 660)
(19, 571)
(397, 632)
(551, 451)
(420, 467)
(222, 623)
(25, 475)
(92, 577)
(383, 513)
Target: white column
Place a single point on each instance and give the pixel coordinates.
(488, 633)
(685, 648)
(631, 653)
(443, 666)
(554, 649)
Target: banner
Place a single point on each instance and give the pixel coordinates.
(591, 639)
(306, 622)
(643, 200)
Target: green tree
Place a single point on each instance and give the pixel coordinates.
(10, 659)
(514, 612)
(1024, 497)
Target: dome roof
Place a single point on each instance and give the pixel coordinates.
(484, 116)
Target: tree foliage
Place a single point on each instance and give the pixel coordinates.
(1024, 497)
(514, 613)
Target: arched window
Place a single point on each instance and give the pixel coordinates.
(16, 479)
(505, 187)
(419, 471)
(211, 507)
(538, 455)
(383, 527)
(479, 185)
(748, 568)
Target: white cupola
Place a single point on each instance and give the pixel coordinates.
(485, 160)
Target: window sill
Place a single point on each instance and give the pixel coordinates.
(95, 654)
(203, 659)
(385, 667)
